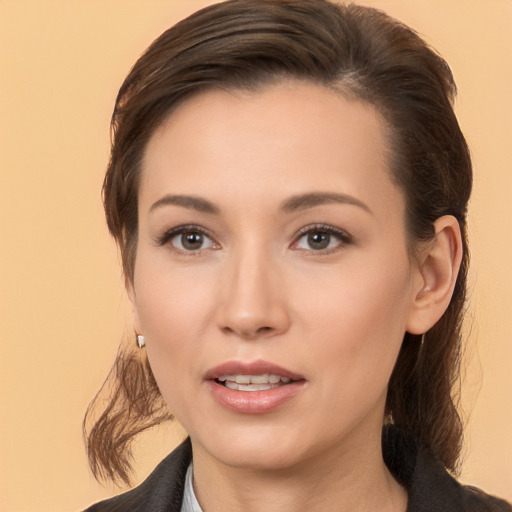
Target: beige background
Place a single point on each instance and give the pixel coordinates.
(62, 306)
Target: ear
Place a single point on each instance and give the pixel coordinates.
(438, 266)
(130, 290)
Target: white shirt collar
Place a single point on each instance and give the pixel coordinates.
(190, 503)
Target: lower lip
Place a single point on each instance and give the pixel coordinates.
(254, 402)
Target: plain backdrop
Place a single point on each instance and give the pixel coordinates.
(62, 305)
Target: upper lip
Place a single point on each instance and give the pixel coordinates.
(259, 367)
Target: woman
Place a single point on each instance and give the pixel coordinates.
(288, 186)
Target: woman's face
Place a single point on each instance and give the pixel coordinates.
(272, 244)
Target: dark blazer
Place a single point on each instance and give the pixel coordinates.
(430, 487)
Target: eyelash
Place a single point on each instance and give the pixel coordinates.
(180, 230)
(343, 237)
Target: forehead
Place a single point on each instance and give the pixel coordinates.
(286, 138)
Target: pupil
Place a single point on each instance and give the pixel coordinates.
(319, 240)
(192, 241)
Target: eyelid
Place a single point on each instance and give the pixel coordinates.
(168, 235)
(344, 237)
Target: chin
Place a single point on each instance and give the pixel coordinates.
(255, 448)
(262, 448)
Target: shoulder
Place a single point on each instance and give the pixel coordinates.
(161, 491)
(477, 500)
(430, 487)
(434, 489)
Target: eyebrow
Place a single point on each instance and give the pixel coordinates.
(310, 200)
(293, 204)
(191, 202)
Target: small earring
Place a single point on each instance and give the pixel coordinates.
(141, 341)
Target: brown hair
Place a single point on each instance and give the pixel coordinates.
(247, 44)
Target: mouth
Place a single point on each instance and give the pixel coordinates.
(262, 382)
(253, 388)
(251, 376)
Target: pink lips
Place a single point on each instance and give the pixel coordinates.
(252, 402)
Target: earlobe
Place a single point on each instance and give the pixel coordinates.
(438, 267)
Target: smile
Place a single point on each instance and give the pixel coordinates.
(253, 382)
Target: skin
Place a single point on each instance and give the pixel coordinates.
(256, 288)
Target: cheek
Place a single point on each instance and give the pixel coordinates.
(173, 312)
(171, 348)
(171, 299)
(359, 318)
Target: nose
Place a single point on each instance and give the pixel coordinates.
(253, 304)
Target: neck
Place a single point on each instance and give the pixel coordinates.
(338, 479)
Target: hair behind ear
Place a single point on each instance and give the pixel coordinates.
(423, 395)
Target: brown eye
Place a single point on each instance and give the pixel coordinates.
(322, 239)
(319, 240)
(191, 241)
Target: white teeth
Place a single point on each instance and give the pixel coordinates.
(253, 382)
(250, 387)
(261, 379)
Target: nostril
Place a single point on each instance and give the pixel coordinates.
(247, 332)
(252, 320)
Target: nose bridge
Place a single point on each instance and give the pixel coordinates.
(253, 302)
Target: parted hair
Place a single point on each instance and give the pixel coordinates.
(365, 55)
